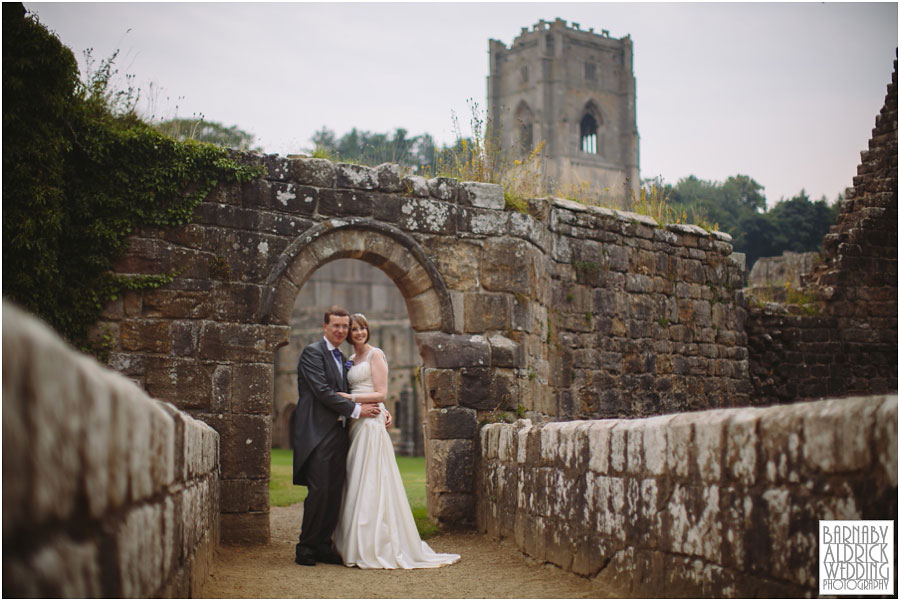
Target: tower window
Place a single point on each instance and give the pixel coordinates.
(549, 39)
(526, 137)
(590, 71)
(523, 72)
(589, 134)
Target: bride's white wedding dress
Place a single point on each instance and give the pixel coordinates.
(376, 527)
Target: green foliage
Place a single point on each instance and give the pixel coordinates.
(369, 148)
(212, 132)
(81, 172)
(737, 206)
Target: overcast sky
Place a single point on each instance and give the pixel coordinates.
(785, 93)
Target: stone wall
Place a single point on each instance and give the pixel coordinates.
(106, 492)
(842, 337)
(560, 311)
(778, 271)
(721, 503)
(642, 319)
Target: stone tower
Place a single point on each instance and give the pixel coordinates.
(575, 90)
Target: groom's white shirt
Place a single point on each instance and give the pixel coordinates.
(331, 347)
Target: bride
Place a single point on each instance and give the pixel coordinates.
(376, 527)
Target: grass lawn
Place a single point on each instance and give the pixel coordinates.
(412, 470)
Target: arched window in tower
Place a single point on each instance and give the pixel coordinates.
(589, 134)
(525, 127)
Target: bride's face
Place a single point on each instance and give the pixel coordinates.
(358, 333)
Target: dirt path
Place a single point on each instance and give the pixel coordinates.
(487, 570)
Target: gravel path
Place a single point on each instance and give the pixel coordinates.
(488, 569)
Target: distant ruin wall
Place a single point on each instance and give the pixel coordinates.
(565, 310)
(106, 492)
(721, 503)
(844, 340)
(778, 271)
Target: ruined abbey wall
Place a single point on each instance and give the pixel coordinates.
(560, 311)
(720, 503)
(106, 492)
(844, 340)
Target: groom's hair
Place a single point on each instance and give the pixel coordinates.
(335, 310)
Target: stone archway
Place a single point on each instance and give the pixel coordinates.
(395, 253)
(449, 448)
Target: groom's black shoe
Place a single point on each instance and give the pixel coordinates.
(305, 556)
(329, 556)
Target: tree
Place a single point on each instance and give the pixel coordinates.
(372, 149)
(208, 131)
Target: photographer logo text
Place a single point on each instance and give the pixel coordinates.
(856, 557)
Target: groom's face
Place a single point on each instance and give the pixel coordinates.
(336, 329)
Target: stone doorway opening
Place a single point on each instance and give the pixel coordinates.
(401, 259)
(360, 288)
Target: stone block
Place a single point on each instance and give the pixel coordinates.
(451, 423)
(145, 335)
(475, 389)
(679, 441)
(252, 388)
(709, 441)
(742, 446)
(510, 266)
(692, 522)
(239, 342)
(482, 222)
(428, 216)
(453, 510)
(837, 434)
(451, 469)
(486, 312)
(161, 448)
(441, 387)
(250, 528)
(345, 203)
(244, 445)
(358, 177)
(442, 350)
(443, 188)
(241, 496)
(506, 352)
(654, 444)
(598, 444)
(416, 185)
(313, 172)
(527, 227)
(186, 383)
(175, 304)
(458, 262)
(780, 429)
(388, 175)
(425, 311)
(885, 436)
(62, 568)
(139, 552)
(482, 195)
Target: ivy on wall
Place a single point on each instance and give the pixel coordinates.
(81, 171)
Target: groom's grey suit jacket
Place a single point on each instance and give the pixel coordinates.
(318, 405)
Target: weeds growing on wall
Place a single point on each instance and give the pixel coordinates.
(81, 172)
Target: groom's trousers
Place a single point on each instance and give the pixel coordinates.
(326, 470)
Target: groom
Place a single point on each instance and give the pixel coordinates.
(320, 438)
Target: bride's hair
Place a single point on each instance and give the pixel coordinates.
(361, 320)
